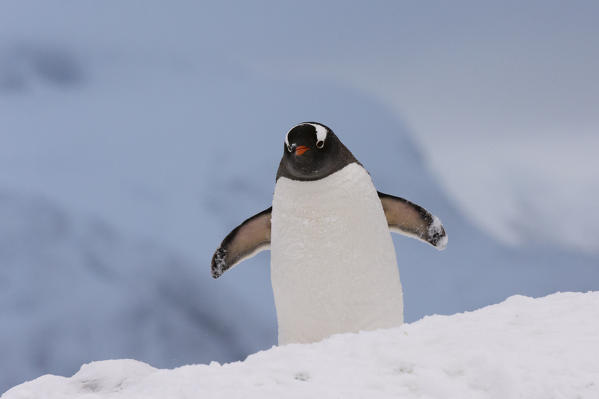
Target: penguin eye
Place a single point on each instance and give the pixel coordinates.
(320, 144)
(288, 148)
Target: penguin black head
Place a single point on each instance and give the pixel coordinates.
(312, 151)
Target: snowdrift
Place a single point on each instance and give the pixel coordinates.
(523, 347)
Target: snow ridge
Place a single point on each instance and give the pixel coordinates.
(523, 347)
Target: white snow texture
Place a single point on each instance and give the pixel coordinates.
(521, 348)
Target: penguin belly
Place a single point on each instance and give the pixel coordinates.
(333, 264)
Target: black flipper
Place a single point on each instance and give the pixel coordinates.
(249, 238)
(409, 219)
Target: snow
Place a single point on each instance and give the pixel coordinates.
(521, 348)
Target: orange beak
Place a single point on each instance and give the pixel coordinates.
(301, 149)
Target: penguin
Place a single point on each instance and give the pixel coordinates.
(333, 263)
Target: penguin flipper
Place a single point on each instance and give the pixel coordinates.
(407, 218)
(246, 240)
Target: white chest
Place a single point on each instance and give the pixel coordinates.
(333, 266)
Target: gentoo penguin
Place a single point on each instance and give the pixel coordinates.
(333, 265)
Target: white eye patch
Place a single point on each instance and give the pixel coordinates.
(321, 132)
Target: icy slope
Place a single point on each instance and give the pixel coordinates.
(521, 348)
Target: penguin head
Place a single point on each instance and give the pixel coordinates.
(312, 151)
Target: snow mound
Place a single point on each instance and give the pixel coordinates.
(523, 347)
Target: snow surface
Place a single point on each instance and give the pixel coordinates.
(521, 348)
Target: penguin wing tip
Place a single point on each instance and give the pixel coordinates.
(437, 233)
(215, 273)
(441, 243)
(219, 263)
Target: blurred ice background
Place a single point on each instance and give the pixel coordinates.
(134, 135)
